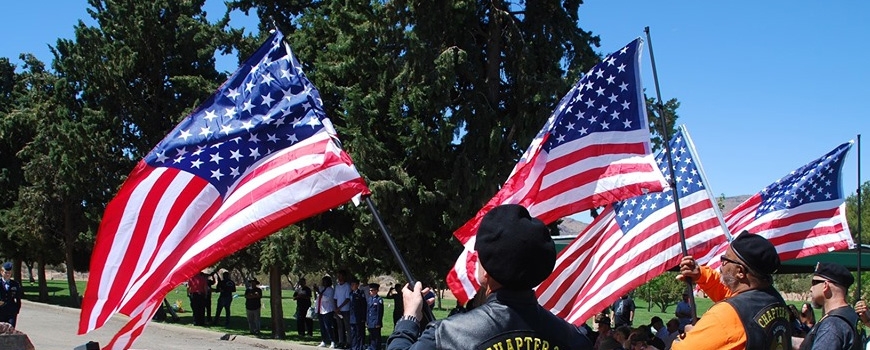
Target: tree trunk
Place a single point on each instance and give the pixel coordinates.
(43, 285)
(16, 270)
(30, 272)
(69, 236)
(278, 331)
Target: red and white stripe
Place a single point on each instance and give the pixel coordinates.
(166, 225)
(574, 177)
(604, 262)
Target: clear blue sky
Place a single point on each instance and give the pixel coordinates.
(764, 86)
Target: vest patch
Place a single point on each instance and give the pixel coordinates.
(775, 321)
(519, 342)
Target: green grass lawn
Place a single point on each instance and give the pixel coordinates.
(59, 295)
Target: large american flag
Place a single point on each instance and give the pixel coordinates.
(635, 240)
(257, 156)
(802, 214)
(593, 150)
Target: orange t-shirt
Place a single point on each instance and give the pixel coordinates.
(720, 327)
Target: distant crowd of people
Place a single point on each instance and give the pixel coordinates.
(345, 310)
(200, 288)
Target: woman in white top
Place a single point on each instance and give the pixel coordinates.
(325, 309)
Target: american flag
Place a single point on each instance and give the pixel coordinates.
(257, 156)
(593, 150)
(635, 240)
(802, 214)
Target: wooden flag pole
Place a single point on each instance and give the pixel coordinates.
(427, 312)
(674, 191)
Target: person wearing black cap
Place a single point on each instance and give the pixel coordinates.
(10, 296)
(515, 254)
(836, 330)
(753, 314)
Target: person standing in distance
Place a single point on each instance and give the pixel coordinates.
(302, 295)
(11, 296)
(515, 254)
(752, 314)
(836, 330)
(684, 312)
(226, 288)
(622, 312)
(374, 317)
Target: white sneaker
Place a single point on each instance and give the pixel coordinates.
(321, 345)
(332, 346)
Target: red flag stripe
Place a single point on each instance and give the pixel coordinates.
(123, 340)
(106, 284)
(467, 262)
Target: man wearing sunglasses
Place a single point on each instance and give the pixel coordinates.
(753, 314)
(836, 330)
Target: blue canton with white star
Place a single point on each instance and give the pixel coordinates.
(607, 98)
(815, 182)
(632, 211)
(267, 105)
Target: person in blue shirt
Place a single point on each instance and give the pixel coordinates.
(357, 315)
(375, 317)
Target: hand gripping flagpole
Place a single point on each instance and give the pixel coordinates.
(427, 312)
(664, 129)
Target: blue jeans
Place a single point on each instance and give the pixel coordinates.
(327, 324)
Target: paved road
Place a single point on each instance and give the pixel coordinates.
(53, 327)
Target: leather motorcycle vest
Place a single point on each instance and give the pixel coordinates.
(509, 320)
(765, 318)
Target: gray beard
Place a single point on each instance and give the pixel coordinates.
(729, 281)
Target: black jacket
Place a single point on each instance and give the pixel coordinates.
(507, 317)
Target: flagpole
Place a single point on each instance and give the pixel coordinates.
(666, 138)
(674, 191)
(427, 312)
(858, 291)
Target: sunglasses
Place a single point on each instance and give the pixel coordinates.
(725, 259)
(815, 282)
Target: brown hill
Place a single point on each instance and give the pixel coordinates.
(571, 227)
(731, 202)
